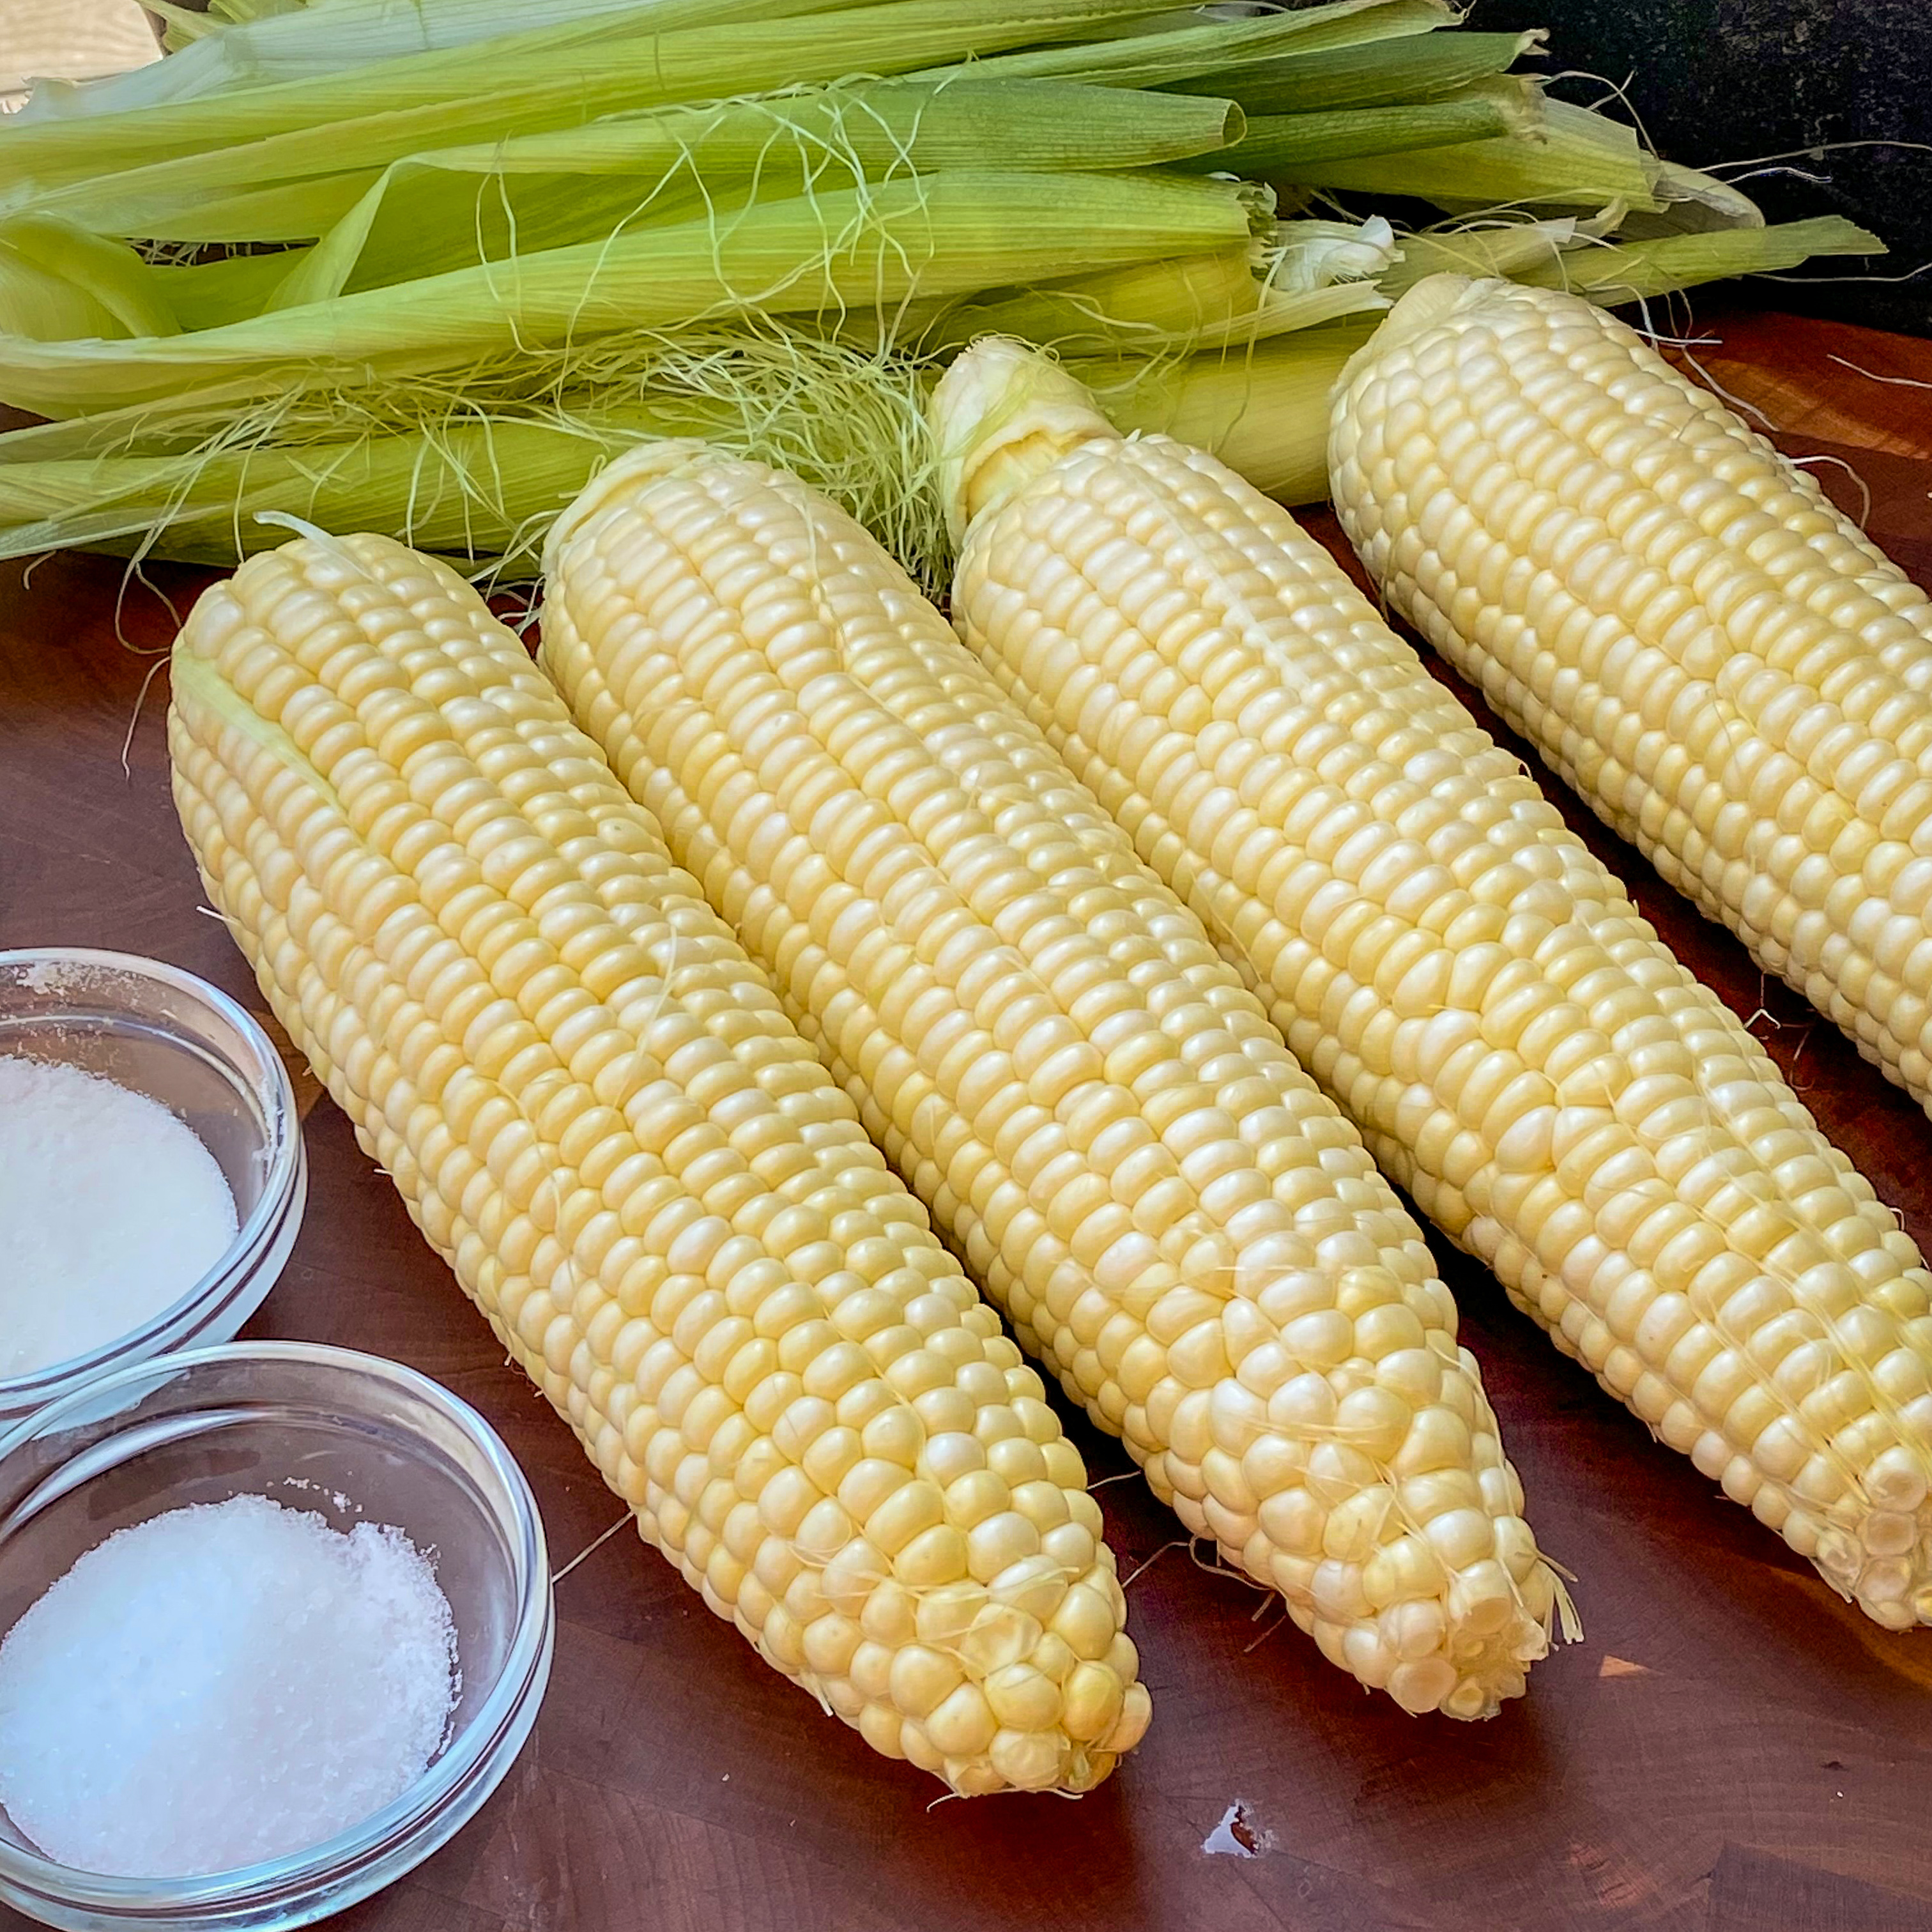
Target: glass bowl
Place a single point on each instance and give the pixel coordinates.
(350, 1436)
(163, 1033)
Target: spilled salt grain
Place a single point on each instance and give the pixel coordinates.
(224, 1684)
(113, 1208)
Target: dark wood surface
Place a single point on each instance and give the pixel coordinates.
(1731, 1749)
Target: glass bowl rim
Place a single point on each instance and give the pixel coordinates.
(380, 1835)
(21, 1395)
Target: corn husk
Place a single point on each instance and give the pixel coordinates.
(444, 211)
(58, 282)
(1613, 273)
(593, 173)
(480, 244)
(477, 463)
(1576, 158)
(1413, 66)
(947, 232)
(1186, 305)
(1297, 146)
(1201, 51)
(519, 84)
(1263, 411)
(230, 288)
(470, 489)
(1513, 246)
(306, 43)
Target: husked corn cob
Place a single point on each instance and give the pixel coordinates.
(1048, 1048)
(1731, 675)
(1518, 1048)
(595, 1110)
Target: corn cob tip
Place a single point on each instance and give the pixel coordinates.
(1001, 414)
(659, 456)
(1431, 301)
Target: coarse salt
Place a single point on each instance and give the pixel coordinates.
(113, 1209)
(225, 1684)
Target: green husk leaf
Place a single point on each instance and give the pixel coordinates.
(231, 288)
(1693, 203)
(966, 120)
(140, 429)
(1114, 311)
(441, 212)
(521, 83)
(57, 281)
(476, 465)
(1377, 73)
(1200, 52)
(465, 488)
(183, 26)
(1293, 146)
(1510, 247)
(1632, 271)
(948, 232)
(163, 204)
(1578, 159)
(41, 307)
(1043, 124)
(303, 43)
(1263, 411)
(1190, 303)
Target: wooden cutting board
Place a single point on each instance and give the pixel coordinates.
(1730, 1749)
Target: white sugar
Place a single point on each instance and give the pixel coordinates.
(220, 1685)
(112, 1209)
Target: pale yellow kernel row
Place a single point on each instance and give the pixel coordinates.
(1476, 992)
(1049, 1048)
(595, 1109)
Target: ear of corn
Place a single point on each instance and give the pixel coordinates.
(1575, 159)
(488, 487)
(555, 77)
(1729, 673)
(209, 55)
(596, 1111)
(1297, 146)
(1375, 74)
(1160, 54)
(1479, 995)
(1048, 1048)
(946, 233)
(451, 207)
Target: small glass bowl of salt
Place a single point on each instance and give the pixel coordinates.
(275, 1620)
(152, 1177)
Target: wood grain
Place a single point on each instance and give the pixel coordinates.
(1824, 380)
(1731, 1749)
